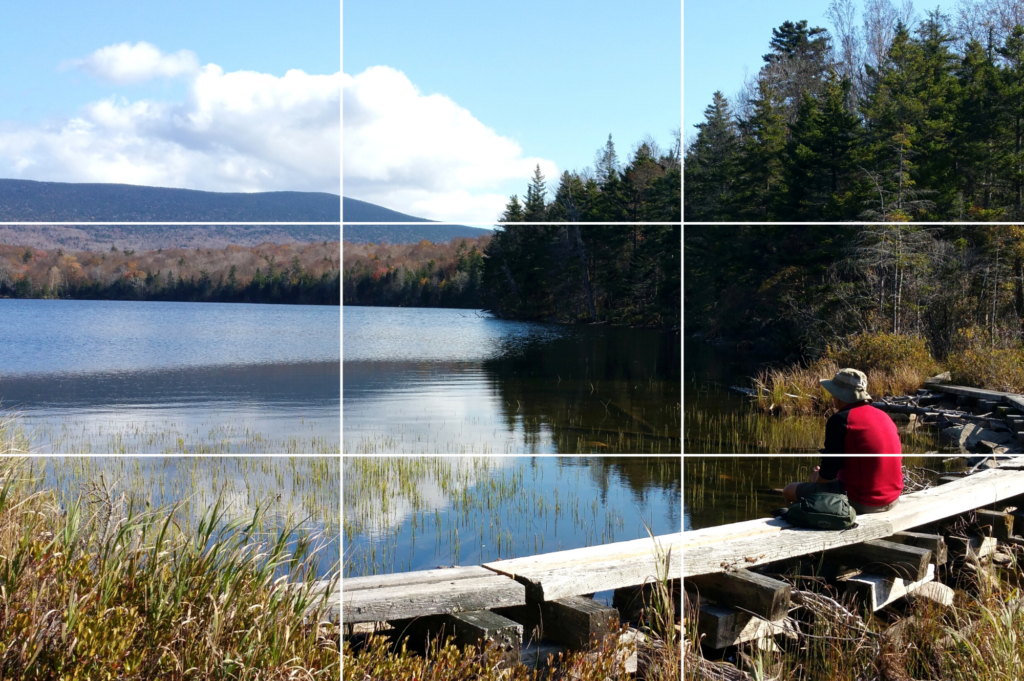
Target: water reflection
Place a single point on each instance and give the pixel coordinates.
(431, 380)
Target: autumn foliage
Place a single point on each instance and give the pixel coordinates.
(268, 273)
(415, 275)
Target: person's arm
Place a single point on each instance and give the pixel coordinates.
(830, 467)
(835, 434)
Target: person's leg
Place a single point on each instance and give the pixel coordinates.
(861, 509)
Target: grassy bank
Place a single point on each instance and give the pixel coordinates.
(97, 586)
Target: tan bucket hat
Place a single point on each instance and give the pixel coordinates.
(849, 385)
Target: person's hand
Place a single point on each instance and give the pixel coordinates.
(815, 477)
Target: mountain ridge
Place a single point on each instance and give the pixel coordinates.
(33, 201)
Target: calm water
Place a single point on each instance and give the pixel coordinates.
(302, 491)
(114, 376)
(442, 511)
(445, 380)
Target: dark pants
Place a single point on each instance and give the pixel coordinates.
(807, 488)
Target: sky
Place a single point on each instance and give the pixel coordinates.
(449, 105)
(218, 95)
(746, 27)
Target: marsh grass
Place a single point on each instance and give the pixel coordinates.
(976, 639)
(13, 440)
(101, 588)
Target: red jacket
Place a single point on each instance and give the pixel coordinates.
(869, 480)
(860, 428)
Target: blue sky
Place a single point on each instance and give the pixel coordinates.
(554, 78)
(725, 39)
(51, 99)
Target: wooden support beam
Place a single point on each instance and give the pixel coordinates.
(721, 626)
(933, 542)
(575, 620)
(982, 547)
(877, 591)
(380, 598)
(482, 627)
(886, 557)
(763, 596)
(999, 524)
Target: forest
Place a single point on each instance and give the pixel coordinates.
(889, 117)
(626, 276)
(305, 274)
(424, 274)
(645, 189)
(781, 291)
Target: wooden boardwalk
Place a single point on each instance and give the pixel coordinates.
(499, 584)
(756, 542)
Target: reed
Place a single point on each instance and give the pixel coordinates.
(107, 588)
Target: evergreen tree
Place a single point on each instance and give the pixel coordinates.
(607, 162)
(976, 123)
(711, 163)
(1012, 95)
(760, 169)
(534, 210)
(513, 211)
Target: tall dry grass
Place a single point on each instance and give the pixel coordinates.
(103, 589)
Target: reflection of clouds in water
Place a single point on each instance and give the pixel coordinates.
(432, 496)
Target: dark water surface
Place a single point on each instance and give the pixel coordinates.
(448, 381)
(150, 377)
(442, 511)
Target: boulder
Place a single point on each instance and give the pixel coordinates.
(957, 436)
(992, 436)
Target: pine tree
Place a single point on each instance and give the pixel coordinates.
(513, 211)
(764, 138)
(711, 163)
(976, 124)
(606, 162)
(1012, 96)
(534, 208)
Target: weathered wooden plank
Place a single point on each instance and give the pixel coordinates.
(482, 627)
(720, 627)
(430, 598)
(1001, 523)
(552, 576)
(418, 577)
(631, 601)
(933, 542)
(573, 621)
(877, 591)
(766, 540)
(979, 546)
(885, 557)
(761, 595)
(1013, 399)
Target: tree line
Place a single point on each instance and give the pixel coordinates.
(647, 188)
(426, 274)
(306, 274)
(595, 274)
(898, 119)
(778, 289)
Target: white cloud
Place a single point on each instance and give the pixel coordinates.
(424, 154)
(239, 131)
(127, 63)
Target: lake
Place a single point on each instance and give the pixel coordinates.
(154, 377)
(448, 381)
(297, 491)
(417, 513)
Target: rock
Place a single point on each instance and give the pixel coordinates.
(944, 377)
(991, 436)
(986, 447)
(957, 436)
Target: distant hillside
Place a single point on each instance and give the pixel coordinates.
(152, 237)
(30, 201)
(354, 210)
(408, 234)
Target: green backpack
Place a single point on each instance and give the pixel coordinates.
(822, 511)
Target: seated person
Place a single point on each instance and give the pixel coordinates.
(873, 484)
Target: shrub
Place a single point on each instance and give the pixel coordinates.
(884, 352)
(975, 362)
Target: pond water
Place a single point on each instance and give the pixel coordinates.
(122, 376)
(403, 513)
(448, 381)
(298, 491)
(729, 489)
